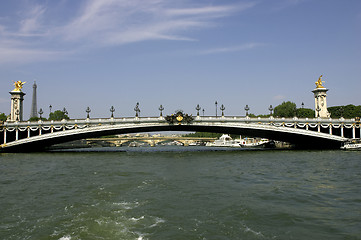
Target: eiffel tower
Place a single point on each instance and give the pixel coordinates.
(34, 106)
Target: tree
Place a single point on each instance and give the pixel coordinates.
(348, 111)
(58, 115)
(35, 119)
(3, 117)
(286, 109)
(305, 113)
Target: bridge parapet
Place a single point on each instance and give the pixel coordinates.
(101, 121)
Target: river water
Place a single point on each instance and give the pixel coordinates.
(180, 193)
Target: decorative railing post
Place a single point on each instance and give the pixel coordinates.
(198, 108)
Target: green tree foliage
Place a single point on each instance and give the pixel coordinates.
(3, 117)
(305, 113)
(58, 115)
(35, 119)
(348, 111)
(286, 109)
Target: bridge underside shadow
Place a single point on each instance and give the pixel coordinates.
(299, 140)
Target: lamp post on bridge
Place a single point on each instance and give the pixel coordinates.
(40, 113)
(246, 108)
(50, 107)
(341, 111)
(198, 108)
(222, 109)
(161, 108)
(112, 110)
(216, 103)
(203, 112)
(87, 111)
(137, 110)
(270, 110)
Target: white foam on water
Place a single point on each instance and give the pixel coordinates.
(67, 237)
(247, 229)
(137, 219)
(127, 205)
(157, 222)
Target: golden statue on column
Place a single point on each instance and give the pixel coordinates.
(319, 82)
(18, 86)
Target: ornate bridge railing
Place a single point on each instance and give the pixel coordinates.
(13, 135)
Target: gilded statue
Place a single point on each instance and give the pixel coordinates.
(18, 86)
(319, 82)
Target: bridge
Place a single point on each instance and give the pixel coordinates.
(320, 133)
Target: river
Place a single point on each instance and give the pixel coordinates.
(180, 193)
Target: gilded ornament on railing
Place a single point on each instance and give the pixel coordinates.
(179, 117)
(18, 86)
(319, 82)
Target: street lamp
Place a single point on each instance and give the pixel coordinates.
(216, 107)
(41, 112)
(50, 107)
(222, 109)
(161, 108)
(137, 110)
(198, 108)
(203, 112)
(87, 111)
(341, 111)
(246, 109)
(302, 105)
(112, 110)
(270, 109)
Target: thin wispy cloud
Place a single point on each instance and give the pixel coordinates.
(231, 49)
(106, 23)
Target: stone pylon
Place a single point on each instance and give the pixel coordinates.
(320, 100)
(34, 104)
(17, 97)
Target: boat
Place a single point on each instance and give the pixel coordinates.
(262, 143)
(224, 141)
(353, 144)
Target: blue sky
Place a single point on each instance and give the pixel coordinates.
(179, 54)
